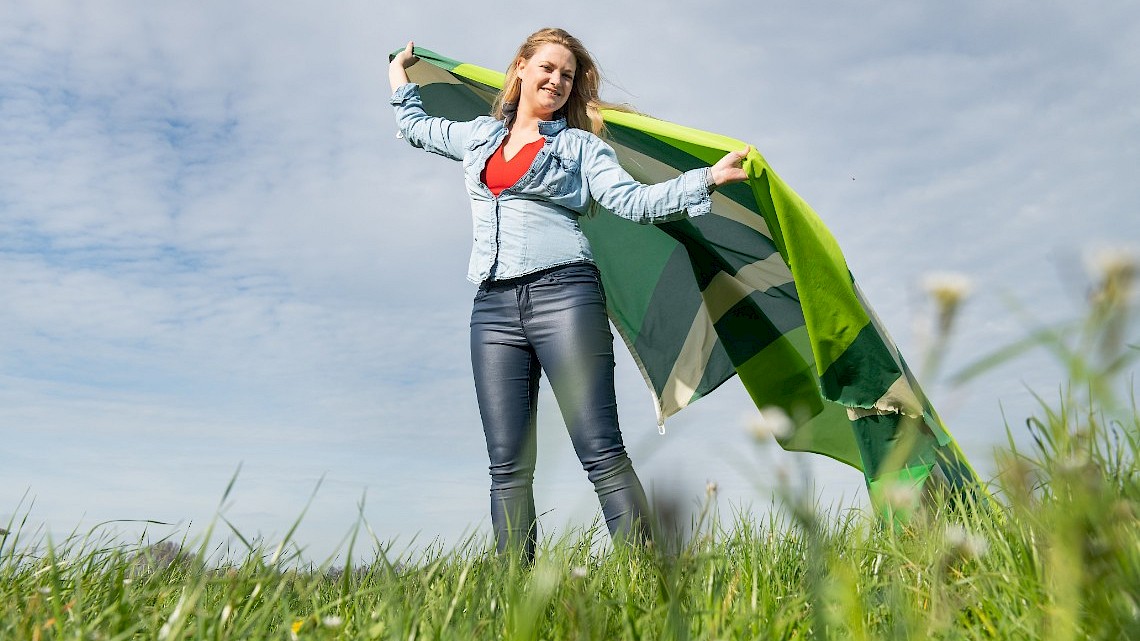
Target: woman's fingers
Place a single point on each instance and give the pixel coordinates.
(730, 168)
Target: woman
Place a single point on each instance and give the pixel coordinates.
(531, 169)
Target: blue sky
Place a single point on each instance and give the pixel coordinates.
(214, 252)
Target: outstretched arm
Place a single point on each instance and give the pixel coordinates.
(689, 194)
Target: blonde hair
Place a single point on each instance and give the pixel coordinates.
(583, 108)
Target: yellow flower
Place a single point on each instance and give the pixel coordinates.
(1113, 262)
(948, 289)
(711, 489)
(1117, 268)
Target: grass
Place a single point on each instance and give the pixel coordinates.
(1055, 554)
(1064, 564)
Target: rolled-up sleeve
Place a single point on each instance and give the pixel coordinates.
(615, 189)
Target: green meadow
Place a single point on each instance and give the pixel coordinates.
(1048, 549)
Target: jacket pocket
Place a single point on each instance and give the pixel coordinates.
(560, 176)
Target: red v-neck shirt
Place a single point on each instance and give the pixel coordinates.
(500, 173)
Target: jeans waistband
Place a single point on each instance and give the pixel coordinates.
(526, 279)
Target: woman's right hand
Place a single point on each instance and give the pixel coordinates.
(401, 61)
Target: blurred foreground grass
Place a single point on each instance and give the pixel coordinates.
(1055, 554)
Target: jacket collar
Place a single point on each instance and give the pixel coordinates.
(551, 127)
(545, 127)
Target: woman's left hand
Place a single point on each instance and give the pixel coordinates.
(730, 168)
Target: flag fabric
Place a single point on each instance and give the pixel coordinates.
(758, 289)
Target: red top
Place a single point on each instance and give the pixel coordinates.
(500, 173)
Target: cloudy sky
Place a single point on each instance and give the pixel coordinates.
(214, 253)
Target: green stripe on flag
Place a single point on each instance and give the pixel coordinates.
(833, 314)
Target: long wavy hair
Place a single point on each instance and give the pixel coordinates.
(583, 108)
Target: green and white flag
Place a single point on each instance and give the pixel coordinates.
(758, 289)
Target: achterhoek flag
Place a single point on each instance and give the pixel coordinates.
(758, 289)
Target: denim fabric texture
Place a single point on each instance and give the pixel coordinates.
(553, 321)
(534, 224)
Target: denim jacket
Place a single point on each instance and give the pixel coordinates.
(533, 225)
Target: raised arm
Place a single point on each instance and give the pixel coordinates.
(437, 135)
(397, 69)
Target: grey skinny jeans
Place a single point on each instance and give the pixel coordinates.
(553, 321)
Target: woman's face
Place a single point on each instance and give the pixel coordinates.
(546, 79)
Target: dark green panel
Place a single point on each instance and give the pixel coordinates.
(755, 322)
(865, 370)
(745, 330)
(878, 436)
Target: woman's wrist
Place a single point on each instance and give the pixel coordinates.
(710, 180)
(397, 76)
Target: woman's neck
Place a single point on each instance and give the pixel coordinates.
(525, 125)
(528, 118)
